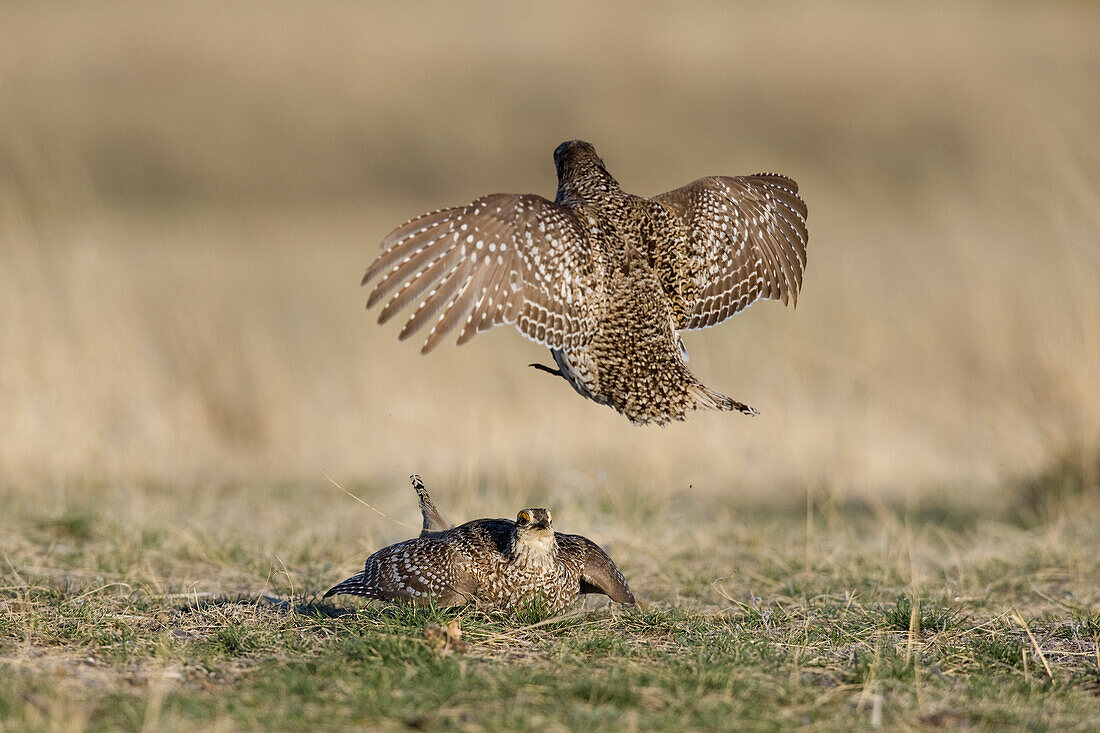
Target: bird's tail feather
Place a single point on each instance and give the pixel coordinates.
(707, 399)
(353, 586)
(433, 521)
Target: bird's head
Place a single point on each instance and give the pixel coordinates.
(578, 159)
(534, 521)
(534, 536)
(573, 152)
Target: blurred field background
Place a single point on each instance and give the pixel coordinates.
(190, 192)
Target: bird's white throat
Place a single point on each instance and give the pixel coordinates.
(534, 546)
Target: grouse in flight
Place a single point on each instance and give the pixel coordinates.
(604, 278)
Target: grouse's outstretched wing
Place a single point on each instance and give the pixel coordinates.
(747, 240)
(599, 573)
(504, 258)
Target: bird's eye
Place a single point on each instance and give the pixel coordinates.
(524, 517)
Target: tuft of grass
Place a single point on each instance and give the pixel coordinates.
(993, 653)
(932, 616)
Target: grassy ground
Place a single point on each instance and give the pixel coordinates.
(844, 616)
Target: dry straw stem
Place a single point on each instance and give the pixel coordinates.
(1038, 649)
(368, 506)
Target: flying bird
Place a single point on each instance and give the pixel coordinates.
(603, 278)
(495, 563)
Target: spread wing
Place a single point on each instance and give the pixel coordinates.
(598, 571)
(747, 240)
(505, 258)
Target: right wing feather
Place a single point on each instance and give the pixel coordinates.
(748, 241)
(598, 573)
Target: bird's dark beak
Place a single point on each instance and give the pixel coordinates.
(541, 525)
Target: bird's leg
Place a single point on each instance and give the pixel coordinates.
(548, 370)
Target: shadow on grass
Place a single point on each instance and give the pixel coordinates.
(407, 614)
(300, 606)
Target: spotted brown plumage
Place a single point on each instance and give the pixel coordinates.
(603, 278)
(495, 563)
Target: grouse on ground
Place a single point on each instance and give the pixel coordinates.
(495, 563)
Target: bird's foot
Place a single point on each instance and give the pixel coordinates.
(548, 370)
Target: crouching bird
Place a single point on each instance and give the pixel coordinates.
(496, 563)
(603, 278)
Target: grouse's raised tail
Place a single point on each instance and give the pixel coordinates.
(603, 278)
(497, 563)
